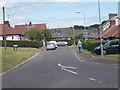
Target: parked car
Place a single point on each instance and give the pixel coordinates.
(54, 43)
(62, 43)
(108, 48)
(50, 46)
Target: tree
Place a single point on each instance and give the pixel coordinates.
(46, 35)
(38, 34)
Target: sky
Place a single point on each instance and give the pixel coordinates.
(56, 13)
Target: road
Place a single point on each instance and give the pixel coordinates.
(61, 68)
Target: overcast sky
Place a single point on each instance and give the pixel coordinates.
(56, 13)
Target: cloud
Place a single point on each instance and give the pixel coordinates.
(17, 20)
(76, 0)
(7, 4)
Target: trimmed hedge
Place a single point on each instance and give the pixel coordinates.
(34, 44)
(90, 44)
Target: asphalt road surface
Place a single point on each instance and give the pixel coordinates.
(61, 68)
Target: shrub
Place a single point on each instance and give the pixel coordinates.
(34, 44)
(90, 44)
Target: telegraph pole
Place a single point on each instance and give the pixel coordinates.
(4, 36)
(100, 29)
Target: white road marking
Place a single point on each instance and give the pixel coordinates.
(77, 56)
(69, 70)
(66, 66)
(116, 67)
(92, 79)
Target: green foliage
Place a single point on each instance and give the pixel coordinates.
(90, 44)
(34, 34)
(46, 34)
(38, 34)
(34, 44)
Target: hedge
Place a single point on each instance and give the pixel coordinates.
(90, 44)
(34, 44)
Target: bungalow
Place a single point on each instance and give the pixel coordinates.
(21, 29)
(10, 32)
(17, 33)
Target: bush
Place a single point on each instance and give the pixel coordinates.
(90, 44)
(34, 44)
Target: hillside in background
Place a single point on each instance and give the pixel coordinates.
(78, 32)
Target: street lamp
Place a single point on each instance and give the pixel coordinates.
(85, 33)
(74, 35)
(100, 29)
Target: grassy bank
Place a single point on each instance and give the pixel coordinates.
(109, 56)
(11, 58)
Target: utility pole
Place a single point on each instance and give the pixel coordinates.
(74, 35)
(4, 36)
(100, 30)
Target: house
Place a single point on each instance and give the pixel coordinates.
(111, 28)
(60, 35)
(21, 29)
(10, 32)
(17, 33)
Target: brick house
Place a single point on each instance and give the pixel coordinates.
(18, 32)
(10, 32)
(111, 28)
(21, 29)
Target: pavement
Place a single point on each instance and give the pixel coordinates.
(92, 59)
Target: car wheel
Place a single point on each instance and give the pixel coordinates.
(104, 52)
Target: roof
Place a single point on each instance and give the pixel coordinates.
(113, 31)
(92, 35)
(24, 28)
(8, 30)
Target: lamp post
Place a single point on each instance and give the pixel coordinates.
(100, 29)
(85, 33)
(74, 35)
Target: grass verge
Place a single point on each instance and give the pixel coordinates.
(109, 56)
(11, 58)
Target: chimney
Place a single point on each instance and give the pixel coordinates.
(7, 22)
(30, 23)
(112, 23)
(112, 15)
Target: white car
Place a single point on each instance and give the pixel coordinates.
(54, 43)
(50, 46)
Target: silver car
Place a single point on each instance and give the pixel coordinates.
(50, 46)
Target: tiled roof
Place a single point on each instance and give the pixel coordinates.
(113, 31)
(8, 30)
(24, 28)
